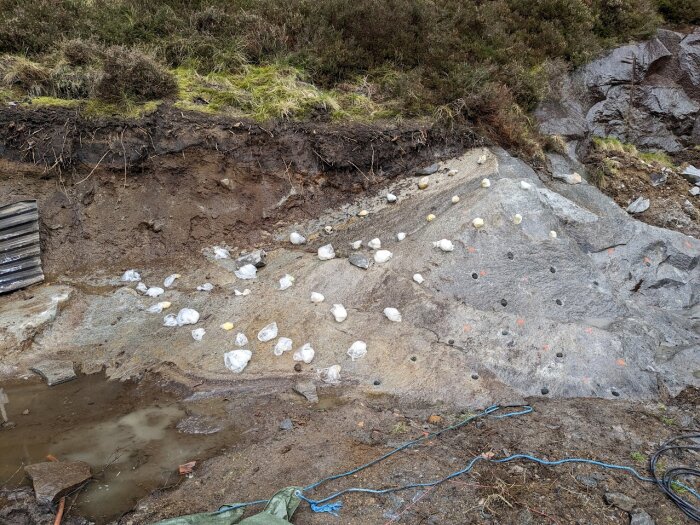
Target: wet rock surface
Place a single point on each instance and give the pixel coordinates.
(54, 479)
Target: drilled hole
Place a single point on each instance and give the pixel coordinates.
(545, 391)
(615, 393)
(414, 358)
(475, 275)
(559, 354)
(558, 301)
(552, 269)
(475, 376)
(377, 382)
(504, 302)
(510, 255)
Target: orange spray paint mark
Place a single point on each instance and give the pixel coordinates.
(647, 261)
(588, 330)
(471, 249)
(611, 251)
(482, 273)
(520, 322)
(467, 328)
(545, 348)
(621, 362)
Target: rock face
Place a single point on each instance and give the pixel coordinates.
(54, 479)
(647, 94)
(55, 371)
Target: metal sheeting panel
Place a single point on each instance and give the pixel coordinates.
(20, 254)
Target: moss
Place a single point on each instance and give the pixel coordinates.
(53, 101)
(95, 108)
(638, 457)
(657, 157)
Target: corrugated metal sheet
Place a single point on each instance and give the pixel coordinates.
(20, 254)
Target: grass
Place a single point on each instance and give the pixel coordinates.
(638, 457)
(95, 108)
(53, 101)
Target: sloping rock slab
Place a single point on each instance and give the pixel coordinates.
(55, 371)
(54, 479)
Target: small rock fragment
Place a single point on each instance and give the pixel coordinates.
(296, 238)
(198, 334)
(245, 292)
(206, 287)
(248, 271)
(286, 282)
(695, 191)
(357, 350)
(154, 291)
(305, 354)
(481, 160)
(256, 258)
(485, 183)
(382, 256)
(430, 217)
(237, 360)
(330, 375)
(390, 197)
(356, 245)
(328, 229)
(552, 234)
(359, 260)
(187, 316)
(307, 389)
(55, 371)
(170, 280)
(658, 179)
(131, 276)
(478, 223)
(445, 245)
(525, 185)
(418, 278)
(241, 340)
(517, 218)
(268, 333)
(691, 174)
(434, 419)
(375, 244)
(363, 213)
(452, 173)
(455, 199)
(392, 314)
(221, 253)
(286, 424)
(339, 313)
(141, 287)
(640, 517)
(284, 344)
(54, 479)
(159, 307)
(619, 500)
(428, 170)
(170, 320)
(326, 252)
(226, 183)
(569, 178)
(423, 183)
(227, 326)
(639, 205)
(400, 236)
(317, 297)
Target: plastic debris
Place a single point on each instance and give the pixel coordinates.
(485, 183)
(392, 314)
(141, 287)
(363, 213)
(418, 278)
(286, 282)
(525, 185)
(305, 353)
(241, 339)
(330, 375)
(478, 223)
(326, 252)
(198, 334)
(221, 253)
(170, 320)
(245, 292)
(430, 218)
(284, 344)
(131, 276)
(445, 245)
(237, 360)
(375, 244)
(154, 291)
(256, 258)
(339, 312)
(552, 234)
(357, 350)
(187, 316)
(517, 218)
(455, 199)
(158, 307)
(206, 287)
(247, 271)
(400, 236)
(317, 297)
(481, 160)
(382, 256)
(356, 245)
(170, 280)
(297, 238)
(227, 326)
(390, 197)
(268, 333)
(423, 183)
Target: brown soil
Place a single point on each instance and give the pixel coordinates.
(630, 179)
(151, 188)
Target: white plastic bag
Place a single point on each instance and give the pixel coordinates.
(418, 278)
(141, 287)
(206, 287)
(339, 312)
(237, 360)
(296, 238)
(221, 253)
(131, 276)
(268, 333)
(170, 280)
(247, 271)
(187, 316)
(392, 314)
(326, 252)
(382, 256)
(286, 282)
(154, 291)
(170, 320)
(158, 307)
(284, 344)
(375, 244)
(357, 350)
(198, 334)
(390, 197)
(245, 292)
(330, 375)
(305, 354)
(241, 339)
(317, 297)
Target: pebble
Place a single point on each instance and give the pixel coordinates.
(525, 185)
(286, 424)
(356, 245)
(206, 287)
(428, 170)
(485, 183)
(256, 258)
(326, 252)
(390, 197)
(317, 297)
(296, 238)
(359, 260)
(423, 183)
(363, 213)
(25, 412)
(694, 191)
(481, 160)
(639, 205)
(400, 236)
(587, 481)
(478, 223)
(639, 517)
(286, 282)
(357, 350)
(393, 315)
(430, 218)
(198, 334)
(418, 278)
(382, 256)
(552, 234)
(241, 340)
(434, 419)
(268, 333)
(620, 500)
(339, 313)
(227, 326)
(306, 389)
(455, 199)
(452, 173)
(375, 244)
(328, 229)
(517, 218)
(445, 245)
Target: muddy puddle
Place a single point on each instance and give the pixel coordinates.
(134, 436)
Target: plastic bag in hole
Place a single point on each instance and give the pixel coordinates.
(131, 276)
(170, 280)
(154, 291)
(187, 316)
(241, 339)
(141, 287)
(357, 350)
(221, 253)
(286, 282)
(268, 333)
(317, 297)
(326, 252)
(284, 344)
(445, 245)
(330, 375)
(296, 238)
(198, 334)
(239, 293)
(392, 314)
(305, 354)
(237, 360)
(339, 312)
(375, 244)
(206, 287)
(247, 271)
(158, 307)
(170, 320)
(382, 256)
